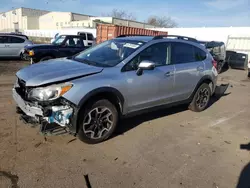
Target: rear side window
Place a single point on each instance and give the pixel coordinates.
(90, 36)
(3, 39)
(200, 55)
(182, 53)
(16, 40)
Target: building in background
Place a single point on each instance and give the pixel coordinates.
(20, 19)
(32, 19)
(208, 33)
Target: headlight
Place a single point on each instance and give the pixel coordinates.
(31, 53)
(49, 93)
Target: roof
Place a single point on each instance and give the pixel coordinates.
(136, 38)
(160, 37)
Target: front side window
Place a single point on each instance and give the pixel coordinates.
(82, 35)
(74, 42)
(182, 53)
(157, 53)
(90, 36)
(59, 40)
(109, 53)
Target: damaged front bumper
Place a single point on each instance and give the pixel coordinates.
(50, 117)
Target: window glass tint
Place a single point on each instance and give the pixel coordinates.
(82, 35)
(109, 53)
(157, 53)
(90, 36)
(182, 53)
(3, 39)
(74, 42)
(16, 40)
(59, 40)
(200, 55)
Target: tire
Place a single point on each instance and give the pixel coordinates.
(219, 68)
(88, 132)
(22, 57)
(195, 105)
(248, 75)
(46, 58)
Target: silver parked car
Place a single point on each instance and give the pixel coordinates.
(12, 45)
(88, 93)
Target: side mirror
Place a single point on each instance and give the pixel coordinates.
(145, 65)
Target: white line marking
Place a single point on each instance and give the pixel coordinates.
(224, 119)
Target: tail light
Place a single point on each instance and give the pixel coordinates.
(214, 63)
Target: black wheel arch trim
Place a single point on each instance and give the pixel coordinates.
(202, 80)
(93, 93)
(101, 90)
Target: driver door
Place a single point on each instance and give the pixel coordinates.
(153, 87)
(71, 46)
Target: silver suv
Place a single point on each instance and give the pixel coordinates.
(88, 93)
(12, 45)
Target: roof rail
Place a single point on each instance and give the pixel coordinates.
(176, 36)
(131, 35)
(17, 34)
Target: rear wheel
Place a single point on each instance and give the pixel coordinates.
(201, 98)
(249, 74)
(97, 121)
(46, 58)
(219, 67)
(22, 56)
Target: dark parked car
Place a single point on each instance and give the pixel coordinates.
(237, 60)
(218, 51)
(63, 46)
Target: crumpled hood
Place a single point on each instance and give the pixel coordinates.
(55, 70)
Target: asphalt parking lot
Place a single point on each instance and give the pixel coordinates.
(168, 148)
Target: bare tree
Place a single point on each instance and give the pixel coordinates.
(162, 21)
(121, 14)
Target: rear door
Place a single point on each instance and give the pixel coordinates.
(189, 67)
(3, 47)
(16, 44)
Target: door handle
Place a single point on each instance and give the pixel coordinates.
(7, 45)
(200, 69)
(167, 74)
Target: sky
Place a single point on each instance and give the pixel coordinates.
(187, 13)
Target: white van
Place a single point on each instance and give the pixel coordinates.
(87, 36)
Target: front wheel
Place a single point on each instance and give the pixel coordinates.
(201, 98)
(97, 122)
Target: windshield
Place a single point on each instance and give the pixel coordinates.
(109, 53)
(59, 40)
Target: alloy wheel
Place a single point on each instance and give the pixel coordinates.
(98, 122)
(202, 98)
